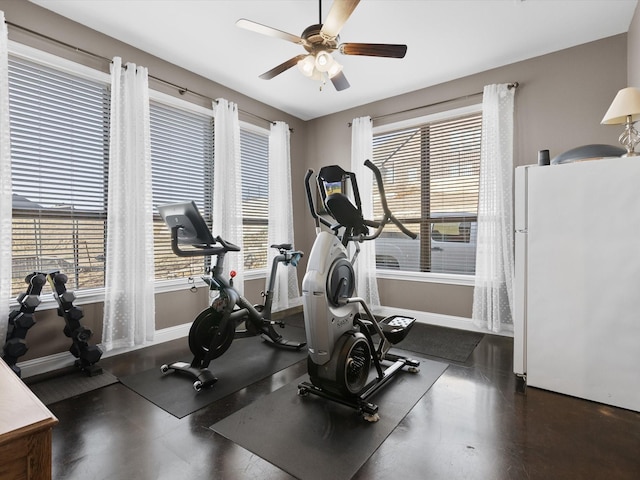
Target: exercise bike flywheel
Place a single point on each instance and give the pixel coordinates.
(206, 338)
(356, 366)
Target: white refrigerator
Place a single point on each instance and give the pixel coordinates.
(577, 291)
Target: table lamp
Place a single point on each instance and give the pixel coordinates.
(625, 110)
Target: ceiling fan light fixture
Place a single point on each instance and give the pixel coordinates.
(324, 60)
(317, 76)
(307, 65)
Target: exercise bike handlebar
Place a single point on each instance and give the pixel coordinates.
(388, 216)
(228, 246)
(201, 250)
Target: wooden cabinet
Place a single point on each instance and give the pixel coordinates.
(25, 430)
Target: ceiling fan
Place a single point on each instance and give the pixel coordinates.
(320, 41)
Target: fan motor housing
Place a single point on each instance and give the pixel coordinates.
(316, 42)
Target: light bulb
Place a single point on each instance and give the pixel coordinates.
(306, 65)
(324, 61)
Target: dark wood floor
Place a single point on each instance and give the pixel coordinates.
(470, 425)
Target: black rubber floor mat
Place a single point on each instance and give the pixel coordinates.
(247, 361)
(69, 385)
(447, 343)
(313, 438)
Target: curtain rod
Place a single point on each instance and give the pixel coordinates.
(181, 90)
(463, 97)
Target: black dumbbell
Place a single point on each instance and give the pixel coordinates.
(15, 347)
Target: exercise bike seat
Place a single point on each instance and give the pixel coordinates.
(282, 246)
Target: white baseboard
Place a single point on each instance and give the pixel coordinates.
(57, 361)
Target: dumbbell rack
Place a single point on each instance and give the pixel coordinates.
(22, 319)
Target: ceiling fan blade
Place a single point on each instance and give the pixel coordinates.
(271, 32)
(292, 62)
(340, 81)
(339, 13)
(374, 49)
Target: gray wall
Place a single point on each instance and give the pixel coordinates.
(633, 51)
(559, 104)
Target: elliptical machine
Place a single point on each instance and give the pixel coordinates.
(340, 340)
(214, 329)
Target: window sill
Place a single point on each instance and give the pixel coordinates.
(96, 295)
(445, 278)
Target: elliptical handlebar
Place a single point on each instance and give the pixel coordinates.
(377, 224)
(383, 200)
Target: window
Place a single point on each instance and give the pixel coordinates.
(182, 170)
(182, 137)
(59, 148)
(431, 173)
(59, 119)
(254, 145)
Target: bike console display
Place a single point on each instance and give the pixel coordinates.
(192, 229)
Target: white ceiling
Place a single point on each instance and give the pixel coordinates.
(447, 39)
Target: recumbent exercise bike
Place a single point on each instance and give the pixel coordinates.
(214, 329)
(340, 340)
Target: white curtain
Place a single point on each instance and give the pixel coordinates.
(129, 308)
(493, 292)
(361, 150)
(227, 185)
(287, 293)
(5, 184)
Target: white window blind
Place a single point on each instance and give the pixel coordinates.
(59, 146)
(182, 166)
(431, 174)
(255, 197)
(59, 149)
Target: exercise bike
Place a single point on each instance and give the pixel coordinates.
(214, 329)
(340, 339)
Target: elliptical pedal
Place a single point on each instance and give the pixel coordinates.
(280, 341)
(397, 327)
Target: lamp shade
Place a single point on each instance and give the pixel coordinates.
(307, 65)
(627, 102)
(323, 61)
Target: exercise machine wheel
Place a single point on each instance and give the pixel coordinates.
(354, 364)
(208, 338)
(347, 372)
